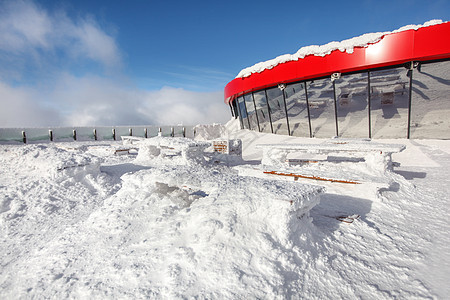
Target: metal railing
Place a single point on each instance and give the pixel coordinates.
(97, 133)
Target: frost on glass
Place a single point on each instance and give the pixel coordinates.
(277, 111)
(430, 104)
(262, 111)
(321, 108)
(251, 113)
(297, 110)
(352, 105)
(389, 103)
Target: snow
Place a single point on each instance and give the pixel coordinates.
(79, 221)
(323, 50)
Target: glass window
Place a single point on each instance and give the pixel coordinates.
(251, 111)
(277, 111)
(352, 105)
(321, 108)
(430, 104)
(389, 103)
(297, 109)
(262, 111)
(243, 113)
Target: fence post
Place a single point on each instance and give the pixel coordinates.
(24, 137)
(95, 134)
(159, 131)
(184, 131)
(145, 132)
(50, 135)
(172, 132)
(74, 135)
(114, 133)
(131, 131)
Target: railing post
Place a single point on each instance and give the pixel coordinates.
(24, 137)
(159, 131)
(50, 135)
(172, 132)
(95, 134)
(145, 133)
(184, 131)
(114, 133)
(74, 134)
(130, 131)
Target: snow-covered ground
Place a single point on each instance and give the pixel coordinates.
(79, 221)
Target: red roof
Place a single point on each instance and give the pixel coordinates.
(426, 43)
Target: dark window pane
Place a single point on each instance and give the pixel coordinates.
(389, 103)
(321, 108)
(243, 112)
(251, 111)
(352, 106)
(297, 109)
(262, 111)
(277, 111)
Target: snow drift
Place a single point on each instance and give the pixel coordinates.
(158, 227)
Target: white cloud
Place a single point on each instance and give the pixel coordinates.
(36, 41)
(27, 29)
(19, 108)
(93, 100)
(175, 105)
(23, 25)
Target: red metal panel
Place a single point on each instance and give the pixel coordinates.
(432, 42)
(426, 43)
(392, 49)
(342, 61)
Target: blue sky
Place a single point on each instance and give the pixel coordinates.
(113, 62)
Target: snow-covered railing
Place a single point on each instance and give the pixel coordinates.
(66, 134)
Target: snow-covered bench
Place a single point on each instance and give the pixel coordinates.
(348, 161)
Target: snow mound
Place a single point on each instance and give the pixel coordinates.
(323, 50)
(214, 226)
(56, 161)
(172, 151)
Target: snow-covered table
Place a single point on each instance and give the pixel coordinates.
(180, 150)
(376, 155)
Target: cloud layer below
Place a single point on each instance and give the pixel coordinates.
(60, 71)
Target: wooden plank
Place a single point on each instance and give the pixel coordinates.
(297, 176)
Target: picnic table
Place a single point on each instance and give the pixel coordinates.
(376, 156)
(182, 150)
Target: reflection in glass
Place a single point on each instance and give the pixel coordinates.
(389, 103)
(297, 109)
(321, 108)
(430, 107)
(352, 106)
(277, 110)
(251, 111)
(243, 113)
(262, 111)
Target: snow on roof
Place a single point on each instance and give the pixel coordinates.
(345, 45)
